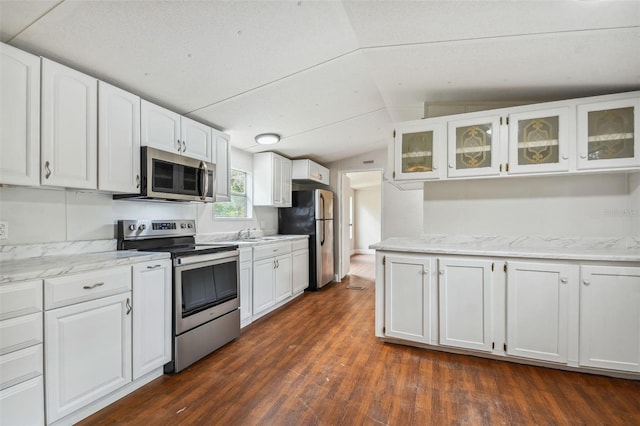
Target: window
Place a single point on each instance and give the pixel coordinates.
(240, 204)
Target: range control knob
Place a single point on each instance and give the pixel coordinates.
(183, 225)
(142, 227)
(190, 225)
(132, 227)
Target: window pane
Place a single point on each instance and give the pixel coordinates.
(238, 182)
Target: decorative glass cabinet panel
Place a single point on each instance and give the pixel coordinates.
(607, 135)
(417, 151)
(474, 147)
(539, 141)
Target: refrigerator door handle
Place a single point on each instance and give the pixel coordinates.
(323, 236)
(321, 212)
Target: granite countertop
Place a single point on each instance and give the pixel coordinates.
(56, 265)
(592, 249)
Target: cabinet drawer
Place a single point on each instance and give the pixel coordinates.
(20, 366)
(271, 250)
(21, 332)
(299, 244)
(23, 404)
(245, 254)
(20, 298)
(77, 288)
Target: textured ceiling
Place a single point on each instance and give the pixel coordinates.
(332, 77)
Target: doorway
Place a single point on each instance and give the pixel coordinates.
(361, 215)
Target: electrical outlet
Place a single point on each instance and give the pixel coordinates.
(4, 230)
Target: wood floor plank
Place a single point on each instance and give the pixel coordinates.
(316, 361)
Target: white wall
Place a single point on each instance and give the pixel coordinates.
(367, 220)
(37, 215)
(585, 205)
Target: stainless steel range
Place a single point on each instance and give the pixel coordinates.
(206, 297)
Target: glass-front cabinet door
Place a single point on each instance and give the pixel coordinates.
(474, 147)
(607, 134)
(539, 141)
(417, 151)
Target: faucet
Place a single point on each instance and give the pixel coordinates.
(248, 232)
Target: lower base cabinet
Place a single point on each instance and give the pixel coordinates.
(88, 353)
(246, 286)
(23, 404)
(610, 318)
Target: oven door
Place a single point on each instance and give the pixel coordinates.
(206, 287)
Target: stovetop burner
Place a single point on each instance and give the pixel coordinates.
(192, 249)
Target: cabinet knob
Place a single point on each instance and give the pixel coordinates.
(450, 166)
(564, 280)
(565, 157)
(435, 167)
(441, 271)
(586, 281)
(583, 155)
(425, 271)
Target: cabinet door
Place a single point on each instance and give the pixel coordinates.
(283, 277)
(465, 303)
(151, 316)
(159, 127)
(418, 151)
(539, 303)
(246, 284)
(223, 172)
(87, 353)
(277, 179)
(23, 404)
(539, 141)
(474, 147)
(408, 298)
(20, 117)
(196, 139)
(263, 285)
(286, 183)
(610, 318)
(607, 136)
(118, 140)
(69, 127)
(300, 270)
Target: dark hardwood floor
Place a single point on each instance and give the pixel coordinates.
(317, 362)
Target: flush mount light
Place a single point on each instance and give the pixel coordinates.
(267, 138)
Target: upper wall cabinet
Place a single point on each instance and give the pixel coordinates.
(118, 140)
(474, 147)
(271, 180)
(539, 141)
(166, 130)
(20, 117)
(606, 134)
(419, 150)
(309, 171)
(69, 127)
(221, 159)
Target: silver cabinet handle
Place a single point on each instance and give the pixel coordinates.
(92, 286)
(48, 169)
(564, 280)
(184, 146)
(153, 267)
(137, 181)
(129, 308)
(179, 145)
(586, 281)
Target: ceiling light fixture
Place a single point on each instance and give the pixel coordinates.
(267, 138)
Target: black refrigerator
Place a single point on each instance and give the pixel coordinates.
(312, 214)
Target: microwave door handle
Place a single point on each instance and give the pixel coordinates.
(205, 180)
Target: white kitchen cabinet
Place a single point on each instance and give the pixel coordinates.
(408, 297)
(283, 282)
(21, 354)
(246, 285)
(610, 317)
(118, 140)
(264, 294)
(299, 265)
(159, 127)
(419, 150)
(152, 313)
(465, 303)
(221, 158)
(474, 147)
(88, 352)
(196, 139)
(539, 140)
(20, 117)
(607, 135)
(272, 282)
(542, 309)
(309, 171)
(69, 127)
(271, 180)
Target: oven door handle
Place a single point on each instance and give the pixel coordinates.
(204, 176)
(190, 260)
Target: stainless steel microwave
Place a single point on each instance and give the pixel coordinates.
(168, 176)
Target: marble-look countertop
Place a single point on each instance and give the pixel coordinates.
(591, 249)
(254, 241)
(53, 266)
